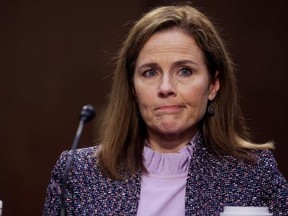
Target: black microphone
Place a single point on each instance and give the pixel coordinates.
(87, 113)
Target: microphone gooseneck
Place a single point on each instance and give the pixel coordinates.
(87, 113)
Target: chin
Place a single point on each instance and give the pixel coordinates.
(169, 129)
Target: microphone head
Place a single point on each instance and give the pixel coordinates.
(87, 113)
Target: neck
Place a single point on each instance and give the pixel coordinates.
(169, 143)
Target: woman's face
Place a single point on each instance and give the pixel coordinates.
(172, 83)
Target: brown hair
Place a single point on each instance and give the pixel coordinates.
(123, 130)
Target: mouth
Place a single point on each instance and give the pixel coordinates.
(169, 108)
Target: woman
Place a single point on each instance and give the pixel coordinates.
(173, 141)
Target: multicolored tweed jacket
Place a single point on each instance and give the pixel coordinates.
(212, 183)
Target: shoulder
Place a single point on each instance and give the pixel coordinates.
(82, 154)
(226, 164)
(265, 159)
(263, 169)
(83, 159)
(267, 165)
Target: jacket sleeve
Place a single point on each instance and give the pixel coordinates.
(52, 202)
(274, 185)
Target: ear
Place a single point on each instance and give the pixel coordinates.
(214, 87)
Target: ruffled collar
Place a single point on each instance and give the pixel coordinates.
(168, 164)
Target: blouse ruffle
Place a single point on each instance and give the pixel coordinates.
(168, 164)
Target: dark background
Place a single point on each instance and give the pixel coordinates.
(55, 56)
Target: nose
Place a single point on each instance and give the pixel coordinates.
(167, 87)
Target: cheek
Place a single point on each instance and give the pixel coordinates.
(142, 97)
(142, 91)
(144, 101)
(195, 94)
(197, 99)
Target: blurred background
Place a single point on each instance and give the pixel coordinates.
(56, 56)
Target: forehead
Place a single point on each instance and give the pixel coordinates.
(172, 43)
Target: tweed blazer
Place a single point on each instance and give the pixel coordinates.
(212, 183)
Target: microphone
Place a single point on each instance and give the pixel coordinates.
(1, 206)
(87, 113)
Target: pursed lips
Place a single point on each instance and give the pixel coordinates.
(169, 108)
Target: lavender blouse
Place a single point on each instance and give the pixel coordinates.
(163, 187)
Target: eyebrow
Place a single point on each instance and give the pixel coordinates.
(175, 64)
(183, 62)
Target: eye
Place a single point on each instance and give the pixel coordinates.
(150, 73)
(185, 71)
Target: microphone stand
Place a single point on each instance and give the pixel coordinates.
(86, 115)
